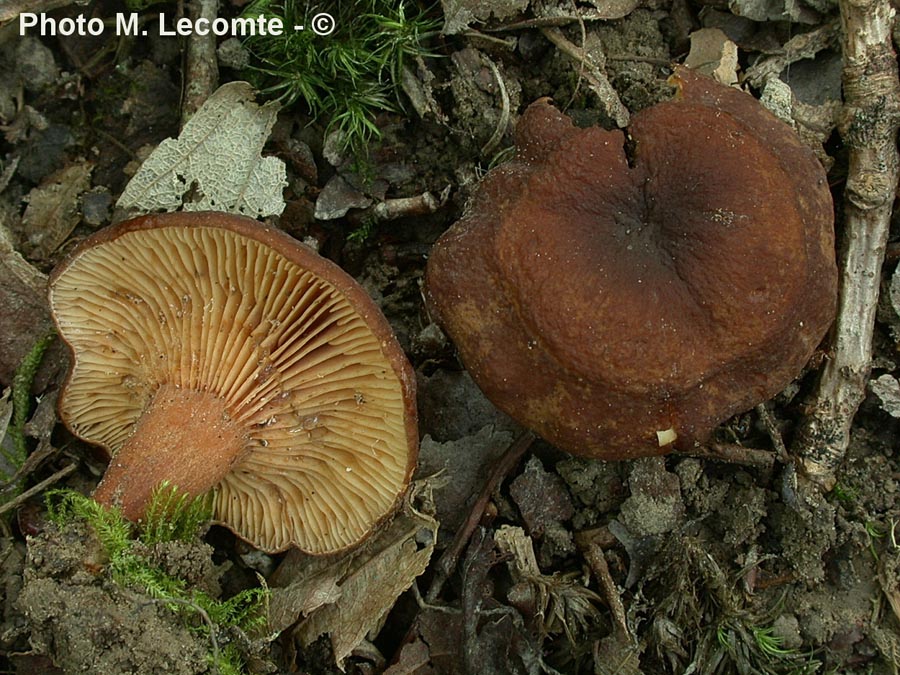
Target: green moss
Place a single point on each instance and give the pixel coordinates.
(171, 516)
(174, 516)
(347, 76)
(16, 454)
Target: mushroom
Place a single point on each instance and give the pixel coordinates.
(224, 356)
(623, 295)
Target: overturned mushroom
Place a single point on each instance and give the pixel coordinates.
(222, 355)
(622, 297)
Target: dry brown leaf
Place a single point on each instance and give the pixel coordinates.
(316, 585)
(713, 54)
(349, 597)
(53, 209)
(414, 659)
(23, 306)
(460, 14)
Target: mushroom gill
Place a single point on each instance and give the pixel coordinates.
(221, 355)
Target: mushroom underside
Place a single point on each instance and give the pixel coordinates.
(216, 359)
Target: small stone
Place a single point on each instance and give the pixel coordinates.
(338, 197)
(887, 389)
(95, 206)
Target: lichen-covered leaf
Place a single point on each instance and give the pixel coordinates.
(215, 164)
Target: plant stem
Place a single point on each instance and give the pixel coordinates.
(869, 125)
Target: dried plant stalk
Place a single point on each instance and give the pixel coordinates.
(869, 128)
(201, 66)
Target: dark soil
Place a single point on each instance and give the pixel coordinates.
(720, 567)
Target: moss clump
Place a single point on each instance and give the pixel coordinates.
(15, 455)
(348, 75)
(171, 516)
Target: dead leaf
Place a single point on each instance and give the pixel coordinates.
(774, 10)
(713, 54)
(215, 164)
(495, 639)
(349, 597)
(23, 306)
(442, 631)
(414, 660)
(6, 409)
(53, 209)
(461, 14)
(460, 482)
(613, 9)
(317, 585)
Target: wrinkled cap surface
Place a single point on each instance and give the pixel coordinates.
(305, 364)
(607, 291)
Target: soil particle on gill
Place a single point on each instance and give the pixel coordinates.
(86, 623)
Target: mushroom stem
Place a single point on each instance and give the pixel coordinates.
(185, 437)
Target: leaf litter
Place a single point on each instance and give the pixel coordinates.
(719, 548)
(216, 163)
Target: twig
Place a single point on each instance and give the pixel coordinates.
(503, 122)
(115, 141)
(799, 47)
(450, 558)
(38, 488)
(768, 421)
(595, 558)
(869, 127)
(43, 452)
(544, 21)
(732, 453)
(201, 72)
(399, 207)
(634, 58)
(596, 79)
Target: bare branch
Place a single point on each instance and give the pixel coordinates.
(869, 129)
(596, 78)
(201, 72)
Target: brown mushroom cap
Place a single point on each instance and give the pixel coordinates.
(614, 303)
(222, 355)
